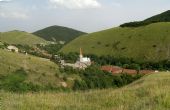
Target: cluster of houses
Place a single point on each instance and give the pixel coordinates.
(118, 70)
(84, 62)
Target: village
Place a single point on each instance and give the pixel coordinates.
(84, 62)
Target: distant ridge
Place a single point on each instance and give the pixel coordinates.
(58, 33)
(163, 17)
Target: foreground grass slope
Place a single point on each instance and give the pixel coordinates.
(20, 37)
(58, 33)
(40, 71)
(151, 42)
(152, 92)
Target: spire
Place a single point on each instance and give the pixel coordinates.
(81, 54)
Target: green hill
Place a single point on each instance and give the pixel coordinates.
(58, 33)
(152, 92)
(20, 37)
(39, 71)
(163, 17)
(151, 42)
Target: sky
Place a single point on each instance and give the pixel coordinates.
(84, 15)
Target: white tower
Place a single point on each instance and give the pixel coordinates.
(81, 55)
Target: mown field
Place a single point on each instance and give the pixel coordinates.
(20, 37)
(152, 92)
(151, 42)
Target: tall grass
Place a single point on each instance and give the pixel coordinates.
(152, 92)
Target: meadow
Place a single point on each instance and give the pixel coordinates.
(152, 92)
(40, 71)
(149, 42)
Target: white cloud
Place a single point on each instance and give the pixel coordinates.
(5, 0)
(76, 4)
(13, 15)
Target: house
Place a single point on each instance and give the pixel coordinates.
(13, 48)
(118, 70)
(112, 69)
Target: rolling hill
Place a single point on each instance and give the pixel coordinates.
(151, 42)
(152, 92)
(40, 71)
(20, 37)
(58, 33)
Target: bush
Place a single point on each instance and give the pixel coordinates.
(94, 78)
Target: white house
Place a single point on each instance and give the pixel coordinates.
(13, 48)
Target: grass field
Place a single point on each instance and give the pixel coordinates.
(152, 92)
(151, 42)
(40, 71)
(19, 37)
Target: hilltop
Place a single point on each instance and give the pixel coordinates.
(163, 17)
(151, 42)
(58, 33)
(150, 92)
(20, 37)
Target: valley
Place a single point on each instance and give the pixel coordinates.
(61, 68)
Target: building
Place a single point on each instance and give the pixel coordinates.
(119, 70)
(13, 48)
(84, 60)
(81, 63)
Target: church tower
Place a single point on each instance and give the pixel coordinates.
(81, 55)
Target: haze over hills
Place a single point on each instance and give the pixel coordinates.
(20, 37)
(58, 33)
(150, 42)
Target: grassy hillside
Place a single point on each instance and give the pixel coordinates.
(40, 71)
(19, 37)
(152, 92)
(151, 42)
(163, 17)
(58, 33)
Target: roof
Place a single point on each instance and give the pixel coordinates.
(12, 47)
(118, 70)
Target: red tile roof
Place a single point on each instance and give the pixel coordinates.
(118, 70)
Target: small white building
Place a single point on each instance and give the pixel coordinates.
(82, 62)
(13, 48)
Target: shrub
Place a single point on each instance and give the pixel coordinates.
(94, 78)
